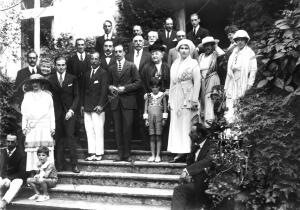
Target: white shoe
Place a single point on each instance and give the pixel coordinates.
(151, 159)
(34, 197)
(157, 159)
(91, 158)
(98, 157)
(43, 198)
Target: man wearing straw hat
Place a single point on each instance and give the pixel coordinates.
(13, 172)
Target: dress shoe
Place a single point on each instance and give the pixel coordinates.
(98, 157)
(90, 158)
(75, 170)
(179, 159)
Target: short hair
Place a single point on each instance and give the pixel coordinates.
(231, 29)
(58, 58)
(107, 21)
(95, 52)
(168, 18)
(79, 39)
(108, 40)
(32, 51)
(138, 36)
(154, 33)
(43, 149)
(155, 82)
(119, 45)
(200, 128)
(195, 14)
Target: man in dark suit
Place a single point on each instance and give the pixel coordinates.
(137, 31)
(108, 34)
(12, 173)
(64, 88)
(191, 192)
(140, 57)
(24, 74)
(168, 35)
(108, 58)
(124, 83)
(94, 96)
(198, 33)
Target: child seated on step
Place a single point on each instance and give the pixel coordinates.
(155, 116)
(46, 176)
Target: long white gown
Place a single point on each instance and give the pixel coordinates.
(184, 88)
(38, 118)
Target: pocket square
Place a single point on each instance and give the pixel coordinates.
(95, 82)
(69, 85)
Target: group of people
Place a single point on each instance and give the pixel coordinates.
(170, 75)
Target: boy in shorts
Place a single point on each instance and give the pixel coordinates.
(45, 178)
(155, 116)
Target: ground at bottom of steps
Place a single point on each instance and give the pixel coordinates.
(52, 204)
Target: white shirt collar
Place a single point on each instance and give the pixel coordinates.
(108, 35)
(10, 153)
(122, 62)
(32, 69)
(140, 52)
(197, 28)
(83, 55)
(63, 75)
(166, 32)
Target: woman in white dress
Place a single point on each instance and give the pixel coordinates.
(241, 71)
(183, 98)
(38, 121)
(209, 77)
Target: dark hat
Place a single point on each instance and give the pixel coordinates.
(157, 46)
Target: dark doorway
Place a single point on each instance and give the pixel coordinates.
(214, 17)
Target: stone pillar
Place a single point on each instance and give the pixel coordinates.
(37, 29)
(180, 16)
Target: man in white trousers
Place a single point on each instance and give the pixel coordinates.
(94, 96)
(12, 172)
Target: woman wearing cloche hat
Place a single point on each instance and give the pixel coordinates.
(241, 71)
(38, 121)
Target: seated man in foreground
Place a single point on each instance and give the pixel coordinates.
(13, 172)
(193, 179)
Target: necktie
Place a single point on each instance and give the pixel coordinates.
(81, 57)
(32, 71)
(60, 80)
(194, 31)
(108, 56)
(119, 67)
(137, 53)
(93, 72)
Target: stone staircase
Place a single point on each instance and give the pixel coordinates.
(109, 185)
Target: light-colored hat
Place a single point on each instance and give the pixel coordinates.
(241, 34)
(188, 43)
(37, 77)
(208, 39)
(10, 137)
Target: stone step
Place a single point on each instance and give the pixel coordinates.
(109, 194)
(135, 154)
(163, 181)
(60, 204)
(131, 167)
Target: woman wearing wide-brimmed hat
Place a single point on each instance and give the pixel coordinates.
(209, 76)
(241, 71)
(183, 98)
(38, 121)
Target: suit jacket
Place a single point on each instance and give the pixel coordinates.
(149, 71)
(77, 67)
(204, 160)
(171, 42)
(100, 42)
(22, 75)
(146, 58)
(130, 79)
(94, 91)
(15, 165)
(104, 65)
(65, 97)
(196, 39)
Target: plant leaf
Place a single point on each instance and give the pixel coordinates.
(262, 83)
(289, 88)
(278, 55)
(279, 83)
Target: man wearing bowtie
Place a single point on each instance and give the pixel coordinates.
(94, 96)
(108, 58)
(124, 80)
(64, 88)
(193, 179)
